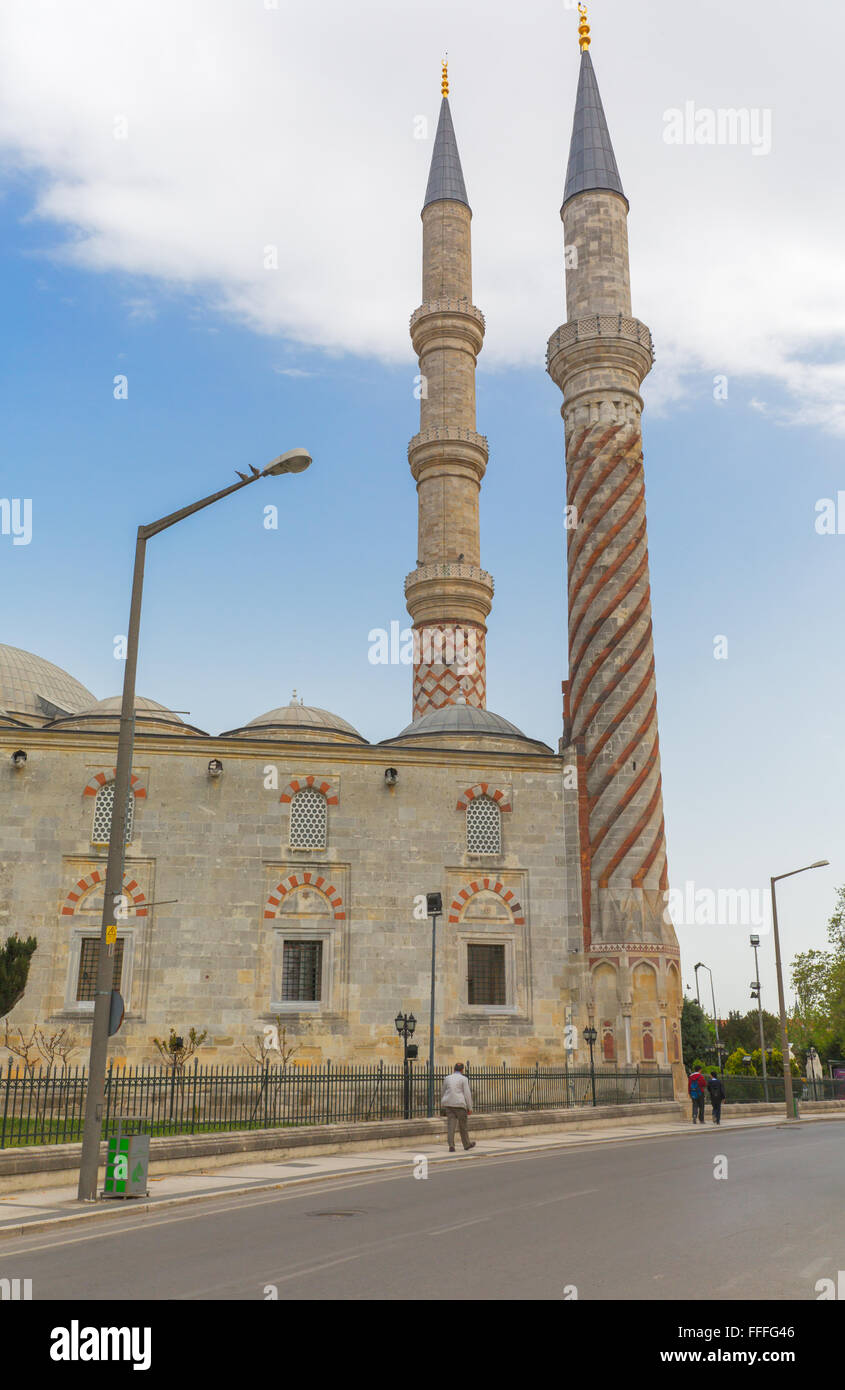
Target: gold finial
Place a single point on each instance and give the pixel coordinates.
(583, 29)
(444, 76)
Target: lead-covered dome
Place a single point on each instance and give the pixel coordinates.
(35, 689)
(104, 715)
(466, 726)
(298, 723)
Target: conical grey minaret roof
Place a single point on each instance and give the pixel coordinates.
(445, 178)
(592, 163)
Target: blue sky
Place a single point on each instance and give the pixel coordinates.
(219, 377)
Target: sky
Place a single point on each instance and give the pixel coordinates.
(219, 202)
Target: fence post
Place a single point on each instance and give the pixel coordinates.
(108, 1098)
(194, 1097)
(6, 1103)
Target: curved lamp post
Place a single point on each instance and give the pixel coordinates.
(702, 966)
(294, 461)
(787, 1070)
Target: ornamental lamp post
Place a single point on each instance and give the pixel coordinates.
(294, 461)
(590, 1037)
(405, 1025)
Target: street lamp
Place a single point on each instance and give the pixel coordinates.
(590, 1037)
(787, 1070)
(294, 461)
(433, 907)
(756, 994)
(702, 966)
(405, 1025)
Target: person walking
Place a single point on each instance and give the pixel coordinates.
(456, 1102)
(716, 1089)
(695, 1086)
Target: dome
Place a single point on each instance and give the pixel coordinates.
(150, 717)
(463, 726)
(299, 723)
(35, 688)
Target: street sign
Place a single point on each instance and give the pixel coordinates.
(116, 1012)
(111, 934)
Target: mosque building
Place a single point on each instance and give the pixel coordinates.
(278, 870)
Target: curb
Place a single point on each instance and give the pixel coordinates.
(32, 1227)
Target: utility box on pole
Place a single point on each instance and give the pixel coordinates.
(127, 1161)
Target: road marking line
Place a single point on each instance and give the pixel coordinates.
(441, 1230)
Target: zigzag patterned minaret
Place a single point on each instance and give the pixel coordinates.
(598, 359)
(448, 595)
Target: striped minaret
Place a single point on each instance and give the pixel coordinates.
(448, 594)
(599, 358)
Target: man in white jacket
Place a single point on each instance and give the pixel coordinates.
(456, 1102)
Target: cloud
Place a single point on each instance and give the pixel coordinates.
(178, 143)
(141, 310)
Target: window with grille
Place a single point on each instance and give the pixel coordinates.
(308, 820)
(484, 826)
(102, 815)
(486, 975)
(302, 971)
(89, 958)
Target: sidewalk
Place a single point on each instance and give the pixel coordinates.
(51, 1207)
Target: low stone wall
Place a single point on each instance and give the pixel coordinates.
(58, 1164)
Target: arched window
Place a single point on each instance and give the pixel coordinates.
(484, 826)
(308, 817)
(102, 815)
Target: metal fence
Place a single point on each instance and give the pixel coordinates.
(47, 1105)
(744, 1090)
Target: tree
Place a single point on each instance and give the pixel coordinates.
(696, 1031)
(736, 1065)
(743, 1030)
(14, 969)
(176, 1051)
(818, 978)
(21, 1047)
(56, 1046)
(274, 1038)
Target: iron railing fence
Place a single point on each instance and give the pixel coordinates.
(47, 1105)
(744, 1090)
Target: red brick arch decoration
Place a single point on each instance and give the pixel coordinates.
(327, 786)
(306, 879)
(483, 789)
(100, 779)
(83, 886)
(488, 885)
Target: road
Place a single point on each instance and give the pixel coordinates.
(643, 1219)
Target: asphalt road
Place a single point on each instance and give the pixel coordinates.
(645, 1219)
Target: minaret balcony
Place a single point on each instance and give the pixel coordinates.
(446, 448)
(445, 321)
(450, 590)
(599, 339)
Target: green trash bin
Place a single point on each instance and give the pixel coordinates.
(127, 1160)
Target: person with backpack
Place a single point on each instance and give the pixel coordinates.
(695, 1086)
(716, 1089)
